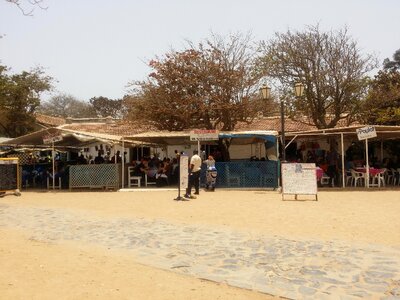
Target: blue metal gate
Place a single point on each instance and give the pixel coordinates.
(246, 174)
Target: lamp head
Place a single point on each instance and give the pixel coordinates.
(299, 89)
(265, 92)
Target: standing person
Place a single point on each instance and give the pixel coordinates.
(99, 159)
(210, 162)
(211, 173)
(333, 168)
(194, 175)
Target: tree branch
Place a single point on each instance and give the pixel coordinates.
(25, 11)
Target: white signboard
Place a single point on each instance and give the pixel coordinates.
(204, 135)
(367, 132)
(299, 179)
(183, 172)
(48, 139)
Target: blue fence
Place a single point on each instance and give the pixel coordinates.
(245, 174)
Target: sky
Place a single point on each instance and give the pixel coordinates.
(96, 47)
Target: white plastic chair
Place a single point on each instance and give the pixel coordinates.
(378, 179)
(357, 177)
(325, 179)
(132, 179)
(398, 172)
(348, 178)
(395, 175)
(388, 176)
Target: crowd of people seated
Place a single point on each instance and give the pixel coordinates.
(162, 172)
(331, 164)
(100, 158)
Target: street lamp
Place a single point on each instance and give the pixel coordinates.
(266, 93)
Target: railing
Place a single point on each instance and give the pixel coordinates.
(236, 174)
(245, 174)
(94, 176)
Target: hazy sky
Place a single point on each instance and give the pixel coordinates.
(95, 47)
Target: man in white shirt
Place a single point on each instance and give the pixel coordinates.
(194, 175)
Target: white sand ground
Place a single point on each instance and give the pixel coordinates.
(32, 269)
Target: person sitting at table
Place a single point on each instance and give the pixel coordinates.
(142, 168)
(348, 164)
(162, 176)
(323, 165)
(151, 173)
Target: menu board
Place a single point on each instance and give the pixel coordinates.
(299, 179)
(183, 172)
(8, 174)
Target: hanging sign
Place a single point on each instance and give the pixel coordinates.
(48, 139)
(367, 132)
(204, 135)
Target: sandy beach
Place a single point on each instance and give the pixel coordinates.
(70, 269)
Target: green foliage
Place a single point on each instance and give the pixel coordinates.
(382, 105)
(27, 7)
(392, 64)
(19, 98)
(211, 85)
(328, 64)
(64, 105)
(105, 107)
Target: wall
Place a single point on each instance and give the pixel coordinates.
(92, 152)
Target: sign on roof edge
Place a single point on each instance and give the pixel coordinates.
(367, 132)
(204, 135)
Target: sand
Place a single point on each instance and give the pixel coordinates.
(33, 269)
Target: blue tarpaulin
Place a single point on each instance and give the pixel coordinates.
(269, 136)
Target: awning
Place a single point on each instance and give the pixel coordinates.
(69, 139)
(250, 137)
(183, 137)
(383, 132)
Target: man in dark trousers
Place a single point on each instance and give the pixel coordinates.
(194, 175)
(333, 159)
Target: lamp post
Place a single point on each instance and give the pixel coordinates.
(266, 93)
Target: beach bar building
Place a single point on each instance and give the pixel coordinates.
(49, 152)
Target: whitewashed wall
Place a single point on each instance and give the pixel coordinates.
(113, 150)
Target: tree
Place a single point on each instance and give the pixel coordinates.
(105, 107)
(328, 64)
(392, 64)
(64, 105)
(382, 105)
(211, 86)
(19, 98)
(27, 6)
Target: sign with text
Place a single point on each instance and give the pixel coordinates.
(367, 132)
(9, 174)
(184, 172)
(204, 135)
(48, 139)
(299, 179)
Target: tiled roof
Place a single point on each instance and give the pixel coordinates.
(118, 128)
(49, 121)
(273, 123)
(124, 128)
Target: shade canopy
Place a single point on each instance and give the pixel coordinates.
(66, 139)
(183, 137)
(383, 132)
